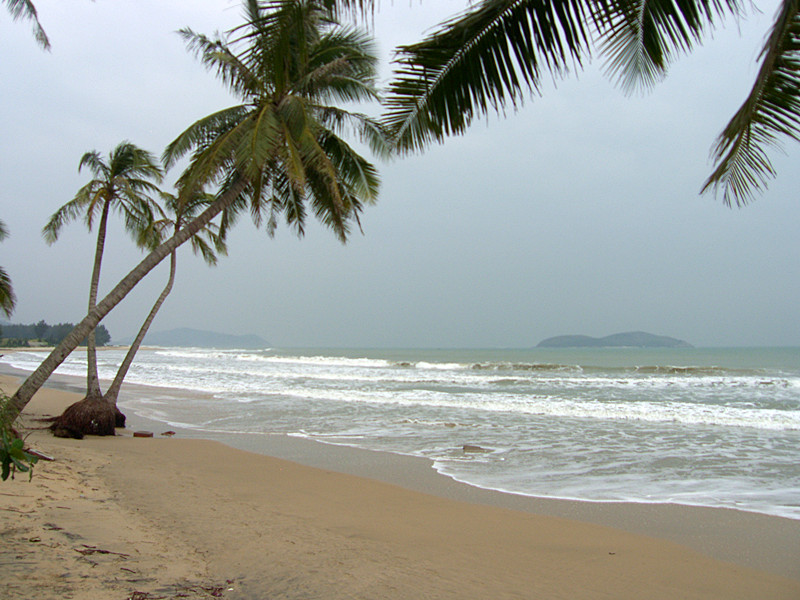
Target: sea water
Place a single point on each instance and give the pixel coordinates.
(709, 427)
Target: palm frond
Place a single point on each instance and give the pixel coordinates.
(203, 248)
(770, 114)
(93, 160)
(328, 209)
(265, 138)
(124, 184)
(202, 133)
(84, 204)
(257, 199)
(293, 163)
(25, 10)
(358, 175)
(482, 60)
(210, 244)
(289, 201)
(214, 148)
(341, 67)
(368, 130)
(640, 37)
(349, 8)
(183, 207)
(217, 56)
(8, 299)
(138, 213)
(138, 166)
(230, 215)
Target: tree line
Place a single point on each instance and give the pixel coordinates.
(18, 335)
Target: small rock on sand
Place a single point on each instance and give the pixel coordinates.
(474, 448)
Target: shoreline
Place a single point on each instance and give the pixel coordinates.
(242, 440)
(185, 516)
(767, 542)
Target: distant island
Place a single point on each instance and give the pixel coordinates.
(633, 339)
(184, 337)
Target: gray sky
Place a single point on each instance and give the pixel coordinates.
(579, 213)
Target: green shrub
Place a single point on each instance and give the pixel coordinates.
(13, 456)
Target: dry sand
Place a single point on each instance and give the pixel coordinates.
(138, 518)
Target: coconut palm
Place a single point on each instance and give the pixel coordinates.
(7, 297)
(207, 242)
(281, 146)
(496, 51)
(277, 151)
(123, 184)
(24, 9)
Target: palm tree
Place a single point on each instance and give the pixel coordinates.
(7, 297)
(277, 151)
(494, 52)
(282, 144)
(207, 242)
(124, 184)
(24, 9)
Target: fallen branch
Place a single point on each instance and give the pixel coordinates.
(88, 550)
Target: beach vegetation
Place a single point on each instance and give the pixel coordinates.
(13, 456)
(208, 242)
(279, 154)
(44, 334)
(125, 184)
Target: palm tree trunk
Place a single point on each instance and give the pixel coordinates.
(113, 392)
(38, 378)
(92, 379)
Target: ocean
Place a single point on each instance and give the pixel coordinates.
(708, 427)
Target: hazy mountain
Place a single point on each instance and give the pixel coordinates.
(633, 339)
(186, 337)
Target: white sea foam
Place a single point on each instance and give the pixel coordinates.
(721, 428)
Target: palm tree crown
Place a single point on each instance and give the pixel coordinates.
(123, 184)
(175, 211)
(496, 50)
(288, 64)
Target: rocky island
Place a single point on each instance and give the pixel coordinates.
(633, 339)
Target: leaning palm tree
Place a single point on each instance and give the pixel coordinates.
(277, 152)
(123, 184)
(7, 297)
(496, 51)
(207, 242)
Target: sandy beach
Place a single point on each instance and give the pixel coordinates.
(161, 517)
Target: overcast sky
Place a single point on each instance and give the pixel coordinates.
(579, 213)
